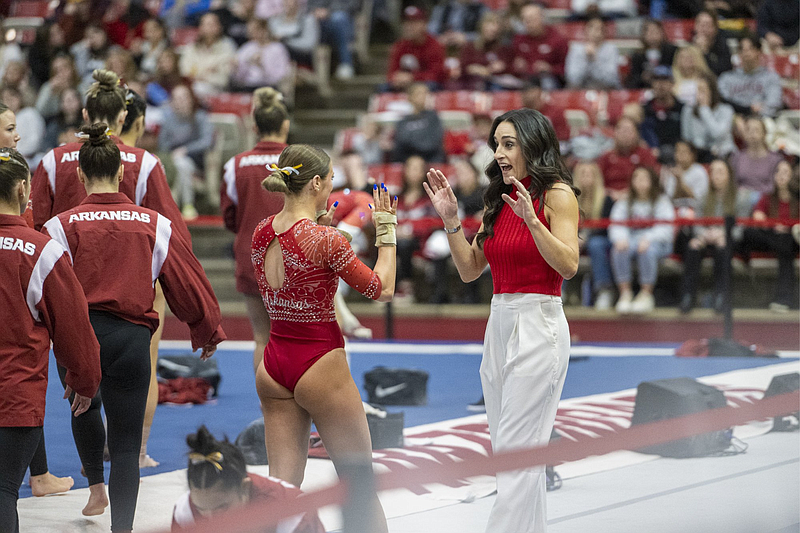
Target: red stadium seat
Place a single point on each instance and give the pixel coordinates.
(30, 8)
(343, 142)
(240, 104)
(574, 31)
(616, 101)
(454, 101)
(678, 30)
(506, 100)
(391, 174)
(379, 103)
(787, 67)
(585, 100)
(184, 36)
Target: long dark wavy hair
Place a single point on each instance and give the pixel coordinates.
(539, 145)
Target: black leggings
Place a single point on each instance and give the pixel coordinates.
(17, 446)
(125, 361)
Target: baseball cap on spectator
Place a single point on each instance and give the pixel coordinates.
(413, 13)
(662, 72)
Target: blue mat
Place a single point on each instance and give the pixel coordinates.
(453, 384)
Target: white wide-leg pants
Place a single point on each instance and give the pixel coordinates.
(525, 357)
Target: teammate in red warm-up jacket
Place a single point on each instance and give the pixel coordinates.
(40, 300)
(245, 203)
(55, 183)
(118, 251)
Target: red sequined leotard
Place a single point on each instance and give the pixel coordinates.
(303, 320)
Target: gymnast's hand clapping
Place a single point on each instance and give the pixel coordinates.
(523, 205)
(442, 197)
(383, 200)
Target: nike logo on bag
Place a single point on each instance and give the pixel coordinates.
(382, 392)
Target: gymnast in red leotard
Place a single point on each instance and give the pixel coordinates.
(297, 265)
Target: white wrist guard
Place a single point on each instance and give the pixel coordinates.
(385, 224)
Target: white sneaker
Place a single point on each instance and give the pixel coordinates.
(345, 72)
(189, 212)
(604, 300)
(624, 303)
(644, 303)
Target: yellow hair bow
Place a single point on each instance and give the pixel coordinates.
(214, 458)
(4, 156)
(286, 170)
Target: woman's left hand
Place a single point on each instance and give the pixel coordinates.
(523, 205)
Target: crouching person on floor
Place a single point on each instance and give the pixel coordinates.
(218, 482)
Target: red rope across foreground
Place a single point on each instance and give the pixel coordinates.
(258, 517)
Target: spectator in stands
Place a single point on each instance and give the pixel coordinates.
(18, 77)
(648, 245)
(147, 51)
(209, 60)
(121, 63)
(421, 133)
(469, 192)
(482, 154)
(724, 198)
(413, 204)
(417, 56)
(336, 25)
(688, 67)
(685, 182)
(167, 77)
(540, 51)
(49, 44)
(513, 16)
(712, 42)
(90, 53)
(372, 142)
(534, 97)
(298, 30)
(179, 13)
(593, 64)
(456, 22)
(708, 125)
(777, 23)
(751, 88)
(606, 8)
(485, 59)
(656, 50)
(66, 122)
(595, 204)
(30, 125)
(234, 15)
(754, 166)
(186, 134)
(124, 22)
(63, 76)
(661, 128)
(781, 203)
(9, 51)
(261, 61)
(618, 164)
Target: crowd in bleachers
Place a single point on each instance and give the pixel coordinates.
(690, 100)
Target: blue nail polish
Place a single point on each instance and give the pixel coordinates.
(335, 204)
(370, 206)
(395, 198)
(375, 187)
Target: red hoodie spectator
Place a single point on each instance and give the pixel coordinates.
(540, 51)
(417, 56)
(619, 163)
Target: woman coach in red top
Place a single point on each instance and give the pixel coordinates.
(245, 203)
(118, 251)
(40, 300)
(305, 375)
(529, 238)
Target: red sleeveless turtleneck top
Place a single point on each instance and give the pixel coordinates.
(515, 261)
